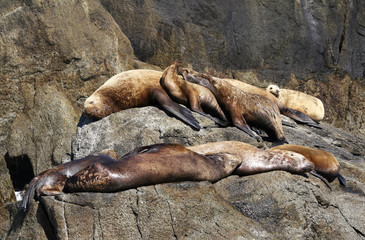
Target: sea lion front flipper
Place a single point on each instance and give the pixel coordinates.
(165, 102)
(299, 117)
(241, 124)
(341, 179)
(314, 173)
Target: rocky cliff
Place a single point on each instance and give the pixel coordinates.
(54, 54)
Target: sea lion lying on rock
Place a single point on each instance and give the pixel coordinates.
(159, 163)
(325, 163)
(134, 88)
(311, 106)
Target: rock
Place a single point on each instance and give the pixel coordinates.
(6, 185)
(76, 44)
(136, 127)
(43, 133)
(299, 37)
(263, 206)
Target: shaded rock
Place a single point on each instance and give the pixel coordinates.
(299, 37)
(6, 185)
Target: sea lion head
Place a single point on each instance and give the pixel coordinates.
(195, 77)
(273, 89)
(98, 106)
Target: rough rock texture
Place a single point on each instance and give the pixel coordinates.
(297, 36)
(67, 43)
(313, 46)
(263, 206)
(6, 185)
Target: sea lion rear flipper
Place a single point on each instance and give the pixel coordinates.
(299, 117)
(29, 194)
(314, 173)
(341, 179)
(242, 125)
(166, 103)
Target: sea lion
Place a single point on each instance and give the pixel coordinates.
(159, 163)
(255, 160)
(154, 164)
(134, 88)
(311, 106)
(244, 109)
(325, 163)
(52, 181)
(194, 96)
(294, 114)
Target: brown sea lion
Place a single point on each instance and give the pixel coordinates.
(134, 88)
(159, 163)
(311, 106)
(194, 96)
(52, 181)
(325, 163)
(255, 160)
(244, 109)
(294, 114)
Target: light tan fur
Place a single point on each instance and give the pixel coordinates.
(300, 101)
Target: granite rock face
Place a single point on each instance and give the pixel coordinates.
(263, 206)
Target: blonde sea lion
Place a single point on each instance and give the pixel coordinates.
(134, 88)
(311, 106)
(292, 113)
(325, 163)
(194, 96)
(244, 109)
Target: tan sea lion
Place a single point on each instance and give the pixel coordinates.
(255, 160)
(52, 181)
(134, 88)
(194, 96)
(292, 113)
(325, 163)
(311, 106)
(244, 109)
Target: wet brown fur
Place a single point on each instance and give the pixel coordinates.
(197, 97)
(245, 109)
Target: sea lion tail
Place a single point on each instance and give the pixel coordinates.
(299, 117)
(29, 194)
(341, 179)
(314, 173)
